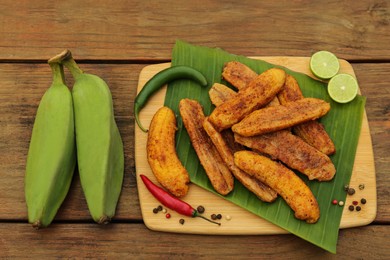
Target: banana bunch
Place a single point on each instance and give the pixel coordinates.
(99, 146)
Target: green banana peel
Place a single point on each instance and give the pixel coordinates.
(99, 144)
(51, 157)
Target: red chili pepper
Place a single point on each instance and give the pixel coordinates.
(172, 202)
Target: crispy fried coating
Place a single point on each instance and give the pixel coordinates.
(312, 132)
(271, 119)
(238, 74)
(292, 151)
(262, 191)
(220, 93)
(284, 181)
(218, 173)
(259, 93)
(162, 156)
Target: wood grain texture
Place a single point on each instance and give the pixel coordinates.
(147, 30)
(135, 241)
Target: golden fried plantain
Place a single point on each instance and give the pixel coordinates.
(292, 151)
(312, 132)
(162, 156)
(262, 191)
(271, 119)
(284, 181)
(257, 94)
(218, 173)
(238, 74)
(220, 93)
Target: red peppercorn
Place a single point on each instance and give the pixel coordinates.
(355, 202)
(334, 202)
(168, 215)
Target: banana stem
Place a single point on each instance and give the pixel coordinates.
(58, 73)
(67, 60)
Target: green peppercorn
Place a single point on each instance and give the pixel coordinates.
(363, 201)
(200, 209)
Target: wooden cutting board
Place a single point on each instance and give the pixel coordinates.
(243, 222)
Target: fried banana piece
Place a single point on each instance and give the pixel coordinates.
(238, 74)
(220, 93)
(284, 181)
(293, 152)
(162, 156)
(312, 132)
(259, 93)
(262, 191)
(271, 119)
(218, 173)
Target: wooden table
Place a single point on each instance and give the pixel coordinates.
(115, 41)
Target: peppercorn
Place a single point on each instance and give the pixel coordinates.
(213, 216)
(228, 217)
(363, 201)
(159, 208)
(200, 209)
(355, 202)
(334, 202)
(219, 216)
(351, 208)
(351, 191)
(168, 215)
(361, 186)
(181, 221)
(346, 187)
(358, 208)
(155, 210)
(341, 203)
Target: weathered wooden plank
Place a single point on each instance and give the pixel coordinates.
(132, 30)
(136, 241)
(22, 86)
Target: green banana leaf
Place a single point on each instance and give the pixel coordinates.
(343, 124)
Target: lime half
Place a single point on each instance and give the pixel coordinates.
(343, 88)
(324, 64)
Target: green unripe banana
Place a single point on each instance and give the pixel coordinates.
(99, 145)
(51, 157)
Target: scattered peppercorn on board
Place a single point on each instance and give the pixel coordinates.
(236, 220)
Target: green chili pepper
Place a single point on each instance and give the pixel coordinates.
(160, 79)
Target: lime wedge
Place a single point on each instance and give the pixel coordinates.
(324, 64)
(343, 88)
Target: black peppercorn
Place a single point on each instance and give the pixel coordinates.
(181, 221)
(351, 191)
(351, 208)
(159, 208)
(155, 210)
(219, 216)
(200, 209)
(363, 201)
(213, 216)
(358, 208)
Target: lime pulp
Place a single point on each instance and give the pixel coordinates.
(343, 88)
(324, 64)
